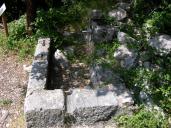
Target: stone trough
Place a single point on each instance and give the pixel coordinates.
(49, 106)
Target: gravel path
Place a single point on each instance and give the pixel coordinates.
(13, 83)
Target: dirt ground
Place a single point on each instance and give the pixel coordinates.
(13, 83)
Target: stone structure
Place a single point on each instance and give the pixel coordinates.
(124, 38)
(119, 14)
(162, 43)
(100, 31)
(90, 106)
(43, 108)
(49, 108)
(125, 56)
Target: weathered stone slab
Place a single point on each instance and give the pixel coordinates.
(38, 75)
(126, 57)
(103, 124)
(44, 108)
(42, 49)
(107, 80)
(124, 38)
(161, 43)
(60, 59)
(103, 33)
(89, 106)
(119, 14)
(101, 76)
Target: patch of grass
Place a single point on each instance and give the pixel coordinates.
(17, 41)
(143, 119)
(5, 102)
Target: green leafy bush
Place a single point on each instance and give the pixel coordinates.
(159, 22)
(143, 119)
(18, 40)
(154, 82)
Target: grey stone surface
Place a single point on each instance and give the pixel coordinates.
(61, 59)
(125, 56)
(124, 38)
(119, 14)
(44, 108)
(89, 106)
(104, 124)
(162, 43)
(38, 75)
(100, 76)
(103, 34)
(110, 96)
(42, 49)
(106, 80)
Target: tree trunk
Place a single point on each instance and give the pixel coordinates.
(30, 15)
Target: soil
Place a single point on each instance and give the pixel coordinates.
(77, 76)
(13, 84)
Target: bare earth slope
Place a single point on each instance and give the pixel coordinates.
(13, 82)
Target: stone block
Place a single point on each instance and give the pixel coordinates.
(127, 57)
(60, 59)
(38, 75)
(162, 43)
(90, 106)
(119, 14)
(44, 108)
(124, 38)
(42, 49)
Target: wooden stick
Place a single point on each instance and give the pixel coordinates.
(4, 21)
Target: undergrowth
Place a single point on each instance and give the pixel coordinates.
(143, 118)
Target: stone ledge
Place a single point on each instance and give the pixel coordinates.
(90, 106)
(44, 108)
(38, 75)
(42, 49)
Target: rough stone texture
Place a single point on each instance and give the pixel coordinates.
(104, 124)
(44, 108)
(126, 57)
(103, 34)
(42, 49)
(119, 14)
(37, 77)
(102, 76)
(61, 59)
(89, 106)
(162, 43)
(124, 38)
(108, 81)
(110, 97)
